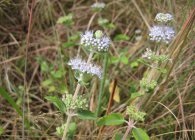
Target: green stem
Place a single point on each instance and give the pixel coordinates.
(102, 84)
(66, 127)
(78, 87)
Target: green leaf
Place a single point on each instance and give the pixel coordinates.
(135, 95)
(86, 115)
(114, 60)
(140, 134)
(57, 102)
(57, 74)
(1, 130)
(44, 66)
(51, 89)
(63, 89)
(47, 83)
(103, 21)
(72, 128)
(111, 119)
(121, 37)
(69, 44)
(118, 136)
(124, 59)
(11, 101)
(134, 64)
(66, 20)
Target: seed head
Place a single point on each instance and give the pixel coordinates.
(148, 54)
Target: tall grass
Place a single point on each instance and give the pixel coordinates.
(170, 109)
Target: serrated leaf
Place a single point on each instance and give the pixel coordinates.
(140, 134)
(121, 37)
(86, 115)
(57, 102)
(111, 119)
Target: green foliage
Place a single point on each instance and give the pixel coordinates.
(10, 100)
(66, 20)
(103, 22)
(123, 58)
(68, 103)
(98, 34)
(134, 64)
(135, 95)
(73, 104)
(83, 78)
(111, 119)
(118, 136)
(86, 115)
(1, 130)
(54, 77)
(121, 37)
(71, 129)
(140, 134)
(57, 102)
(148, 85)
(72, 41)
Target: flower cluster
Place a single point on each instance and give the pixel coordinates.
(148, 85)
(148, 54)
(98, 6)
(164, 18)
(84, 67)
(135, 114)
(161, 33)
(95, 42)
(73, 104)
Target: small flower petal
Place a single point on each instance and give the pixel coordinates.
(83, 66)
(161, 33)
(164, 18)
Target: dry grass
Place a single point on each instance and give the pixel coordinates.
(174, 95)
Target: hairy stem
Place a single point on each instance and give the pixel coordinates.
(66, 127)
(78, 87)
(102, 85)
(130, 126)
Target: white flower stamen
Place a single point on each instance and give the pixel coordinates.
(161, 33)
(84, 67)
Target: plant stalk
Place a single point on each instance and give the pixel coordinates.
(78, 87)
(130, 126)
(66, 127)
(102, 84)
